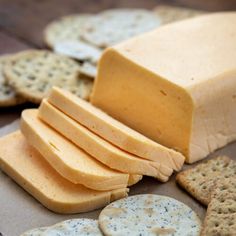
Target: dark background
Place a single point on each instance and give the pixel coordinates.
(22, 22)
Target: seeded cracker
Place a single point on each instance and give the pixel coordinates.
(221, 212)
(149, 215)
(8, 97)
(32, 74)
(81, 227)
(114, 26)
(200, 180)
(65, 28)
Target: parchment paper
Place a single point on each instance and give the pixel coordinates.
(20, 212)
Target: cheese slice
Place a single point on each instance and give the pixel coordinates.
(69, 160)
(30, 170)
(114, 131)
(176, 84)
(99, 148)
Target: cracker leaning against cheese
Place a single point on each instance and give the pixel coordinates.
(70, 161)
(149, 215)
(30, 170)
(99, 148)
(113, 131)
(80, 227)
(32, 74)
(180, 93)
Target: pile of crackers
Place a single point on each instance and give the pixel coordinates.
(76, 43)
(213, 183)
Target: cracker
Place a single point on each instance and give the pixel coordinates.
(8, 96)
(169, 14)
(88, 69)
(78, 50)
(200, 180)
(114, 26)
(149, 214)
(80, 227)
(65, 28)
(221, 212)
(33, 73)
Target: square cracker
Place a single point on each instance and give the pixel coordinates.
(221, 212)
(200, 180)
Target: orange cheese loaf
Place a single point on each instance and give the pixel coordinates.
(114, 131)
(30, 170)
(99, 148)
(70, 161)
(176, 84)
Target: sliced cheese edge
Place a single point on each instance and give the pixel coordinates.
(99, 148)
(188, 104)
(69, 160)
(28, 168)
(114, 131)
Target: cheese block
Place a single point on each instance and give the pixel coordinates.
(69, 160)
(114, 131)
(99, 148)
(30, 170)
(176, 84)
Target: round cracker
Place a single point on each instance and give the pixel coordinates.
(33, 73)
(65, 28)
(8, 96)
(149, 214)
(82, 227)
(78, 50)
(88, 69)
(114, 26)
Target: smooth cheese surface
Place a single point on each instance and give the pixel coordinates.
(100, 149)
(69, 160)
(30, 170)
(113, 130)
(176, 85)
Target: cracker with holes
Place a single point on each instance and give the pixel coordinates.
(114, 26)
(8, 96)
(79, 50)
(221, 212)
(88, 69)
(68, 28)
(82, 227)
(169, 14)
(149, 214)
(33, 73)
(200, 180)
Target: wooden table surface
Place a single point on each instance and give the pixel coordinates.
(22, 23)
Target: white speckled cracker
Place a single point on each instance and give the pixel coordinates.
(81, 227)
(32, 74)
(78, 50)
(149, 215)
(8, 97)
(65, 28)
(114, 26)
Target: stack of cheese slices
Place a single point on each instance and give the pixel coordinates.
(73, 157)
